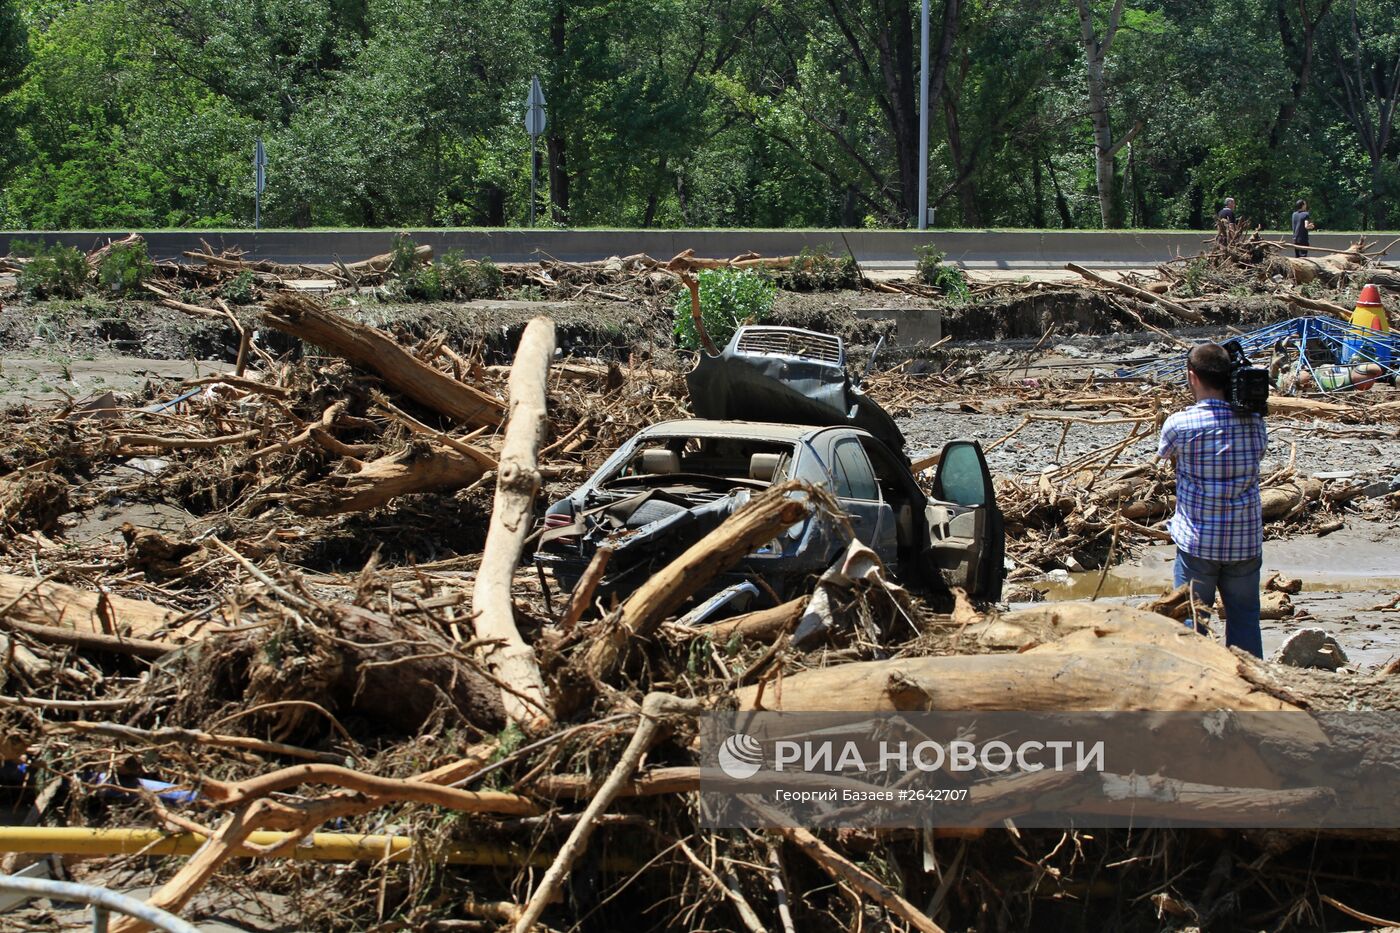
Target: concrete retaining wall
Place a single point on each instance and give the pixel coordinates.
(972, 248)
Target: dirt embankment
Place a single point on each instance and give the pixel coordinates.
(92, 327)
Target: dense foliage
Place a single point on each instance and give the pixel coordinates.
(729, 299)
(1058, 113)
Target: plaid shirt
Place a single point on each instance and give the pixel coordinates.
(1217, 452)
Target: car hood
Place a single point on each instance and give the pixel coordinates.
(773, 374)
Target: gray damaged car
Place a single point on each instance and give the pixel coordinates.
(674, 482)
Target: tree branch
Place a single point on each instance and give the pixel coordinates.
(1125, 139)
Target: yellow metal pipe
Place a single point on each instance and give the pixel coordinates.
(324, 847)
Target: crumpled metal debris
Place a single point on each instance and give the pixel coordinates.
(831, 607)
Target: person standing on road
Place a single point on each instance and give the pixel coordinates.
(1302, 223)
(1218, 526)
(1227, 213)
(1225, 222)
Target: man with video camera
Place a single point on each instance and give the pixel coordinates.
(1216, 446)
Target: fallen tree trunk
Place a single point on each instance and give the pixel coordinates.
(1281, 500)
(1114, 658)
(756, 523)
(518, 480)
(1314, 304)
(375, 350)
(1181, 311)
(419, 467)
(764, 625)
(1288, 405)
(1347, 260)
(28, 601)
(378, 265)
(1300, 271)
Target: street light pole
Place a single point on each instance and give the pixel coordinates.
(923, 117)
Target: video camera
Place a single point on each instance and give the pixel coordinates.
(1249, 385)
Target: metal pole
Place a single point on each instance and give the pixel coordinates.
(259, 179)
(533, 160)
(923, 117)
(97, 897)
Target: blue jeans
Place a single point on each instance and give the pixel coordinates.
(1238, 582)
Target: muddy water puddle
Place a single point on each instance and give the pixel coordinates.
(1362, 557)
(1119, 584)
(1347, 578)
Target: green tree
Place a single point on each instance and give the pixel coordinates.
(14, 56)
(1362, 46)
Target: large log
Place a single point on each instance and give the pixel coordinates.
(1281, 500)
(378, 265)
(1288, 405)
(419, 467)
(1113, 658)
(518, 481)
(1179, 310)
(1314, 304)
(29, 601)
(375, 350)
(755, 524)
(762, 625)
(1301, 271)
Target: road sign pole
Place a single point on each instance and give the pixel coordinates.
(923, 117)
(534, 125)
(259, 180)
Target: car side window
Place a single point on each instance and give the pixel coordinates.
(854, 477)
(960, 476)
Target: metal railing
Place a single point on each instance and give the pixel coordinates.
(102, 901)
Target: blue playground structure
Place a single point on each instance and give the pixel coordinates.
(1323, 341)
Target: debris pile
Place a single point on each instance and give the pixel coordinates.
(328, 642)
(229, 277)
(1189, 290)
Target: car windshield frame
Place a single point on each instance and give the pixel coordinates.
(612, 474)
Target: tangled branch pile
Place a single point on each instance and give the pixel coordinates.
(335, 634)
(1238, 262)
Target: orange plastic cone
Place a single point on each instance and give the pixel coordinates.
(1370, 313)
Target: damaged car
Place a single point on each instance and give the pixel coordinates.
(778, 405)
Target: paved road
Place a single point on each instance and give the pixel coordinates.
(888, 249)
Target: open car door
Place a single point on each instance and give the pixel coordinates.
(967, 535)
